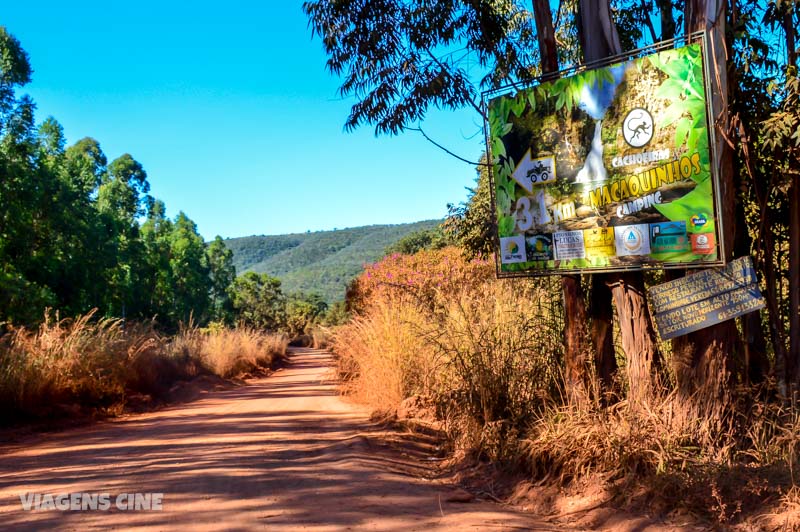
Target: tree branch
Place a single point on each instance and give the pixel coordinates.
(447, 71)
(419, 129)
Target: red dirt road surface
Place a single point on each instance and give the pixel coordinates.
(284, 452)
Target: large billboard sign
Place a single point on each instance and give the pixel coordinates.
(606, 169)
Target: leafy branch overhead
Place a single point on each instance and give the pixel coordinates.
(399, 58)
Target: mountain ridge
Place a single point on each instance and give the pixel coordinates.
(321, 261)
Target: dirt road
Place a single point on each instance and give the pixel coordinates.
(282, 453)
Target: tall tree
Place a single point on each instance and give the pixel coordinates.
(23, 288)
(703, 361)
(157, 285)
(191, 283)
(259, 301)
(223, 273)
(120, 202)
(82, 282)
(599, 40)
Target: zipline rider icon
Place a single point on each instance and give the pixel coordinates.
(637, 128)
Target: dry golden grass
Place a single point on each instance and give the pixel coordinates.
(487, 354)
(483, 352)
(381, 357)
(321, 337)
(232, 352)
(96, 364)
(569, 442)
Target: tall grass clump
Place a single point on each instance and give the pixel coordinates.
(232, 352)
(660, 450)
(483, 353)
(96, 364)
(382, 360)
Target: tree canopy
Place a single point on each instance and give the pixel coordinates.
(78, 232)
(399, 58)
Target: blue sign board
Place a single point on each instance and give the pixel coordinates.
(705, 298)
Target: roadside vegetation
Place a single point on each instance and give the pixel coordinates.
(90, 365)
(485, 356)
(104, 299)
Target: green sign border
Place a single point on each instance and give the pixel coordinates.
(596, 263)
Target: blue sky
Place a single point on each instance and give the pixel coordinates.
(230, 109)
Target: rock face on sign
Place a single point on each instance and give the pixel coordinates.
(621, 150)
(705, 298)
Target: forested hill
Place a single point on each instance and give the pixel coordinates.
(323, 261)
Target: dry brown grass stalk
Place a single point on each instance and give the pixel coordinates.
(95, 364)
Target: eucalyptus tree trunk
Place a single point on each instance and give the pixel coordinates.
(599, 40)
(703, 365)
(575, 347)
(793, 359)
(545, 33)
(667, 21)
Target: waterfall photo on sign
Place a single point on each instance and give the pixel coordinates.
(606, 169)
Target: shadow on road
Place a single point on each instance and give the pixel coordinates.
(284, 452)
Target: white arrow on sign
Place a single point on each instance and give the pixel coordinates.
(531, 171)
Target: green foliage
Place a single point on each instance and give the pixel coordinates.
(336, 315)
(434, 238)
(190, 276)
(303, 311)
(71, 234)
(389, 54)
(223, 273)
(469, 224)
(782, 127)
(259, 301)
(15, 67)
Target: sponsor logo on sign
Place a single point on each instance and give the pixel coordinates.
(698, 220)
(632, 240)
(637, 128)
(703, 244)
(512, 249)
(668, 237)
(569, 245)
(540, 247)
(599, 242)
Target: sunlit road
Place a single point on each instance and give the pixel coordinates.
(282, 453)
